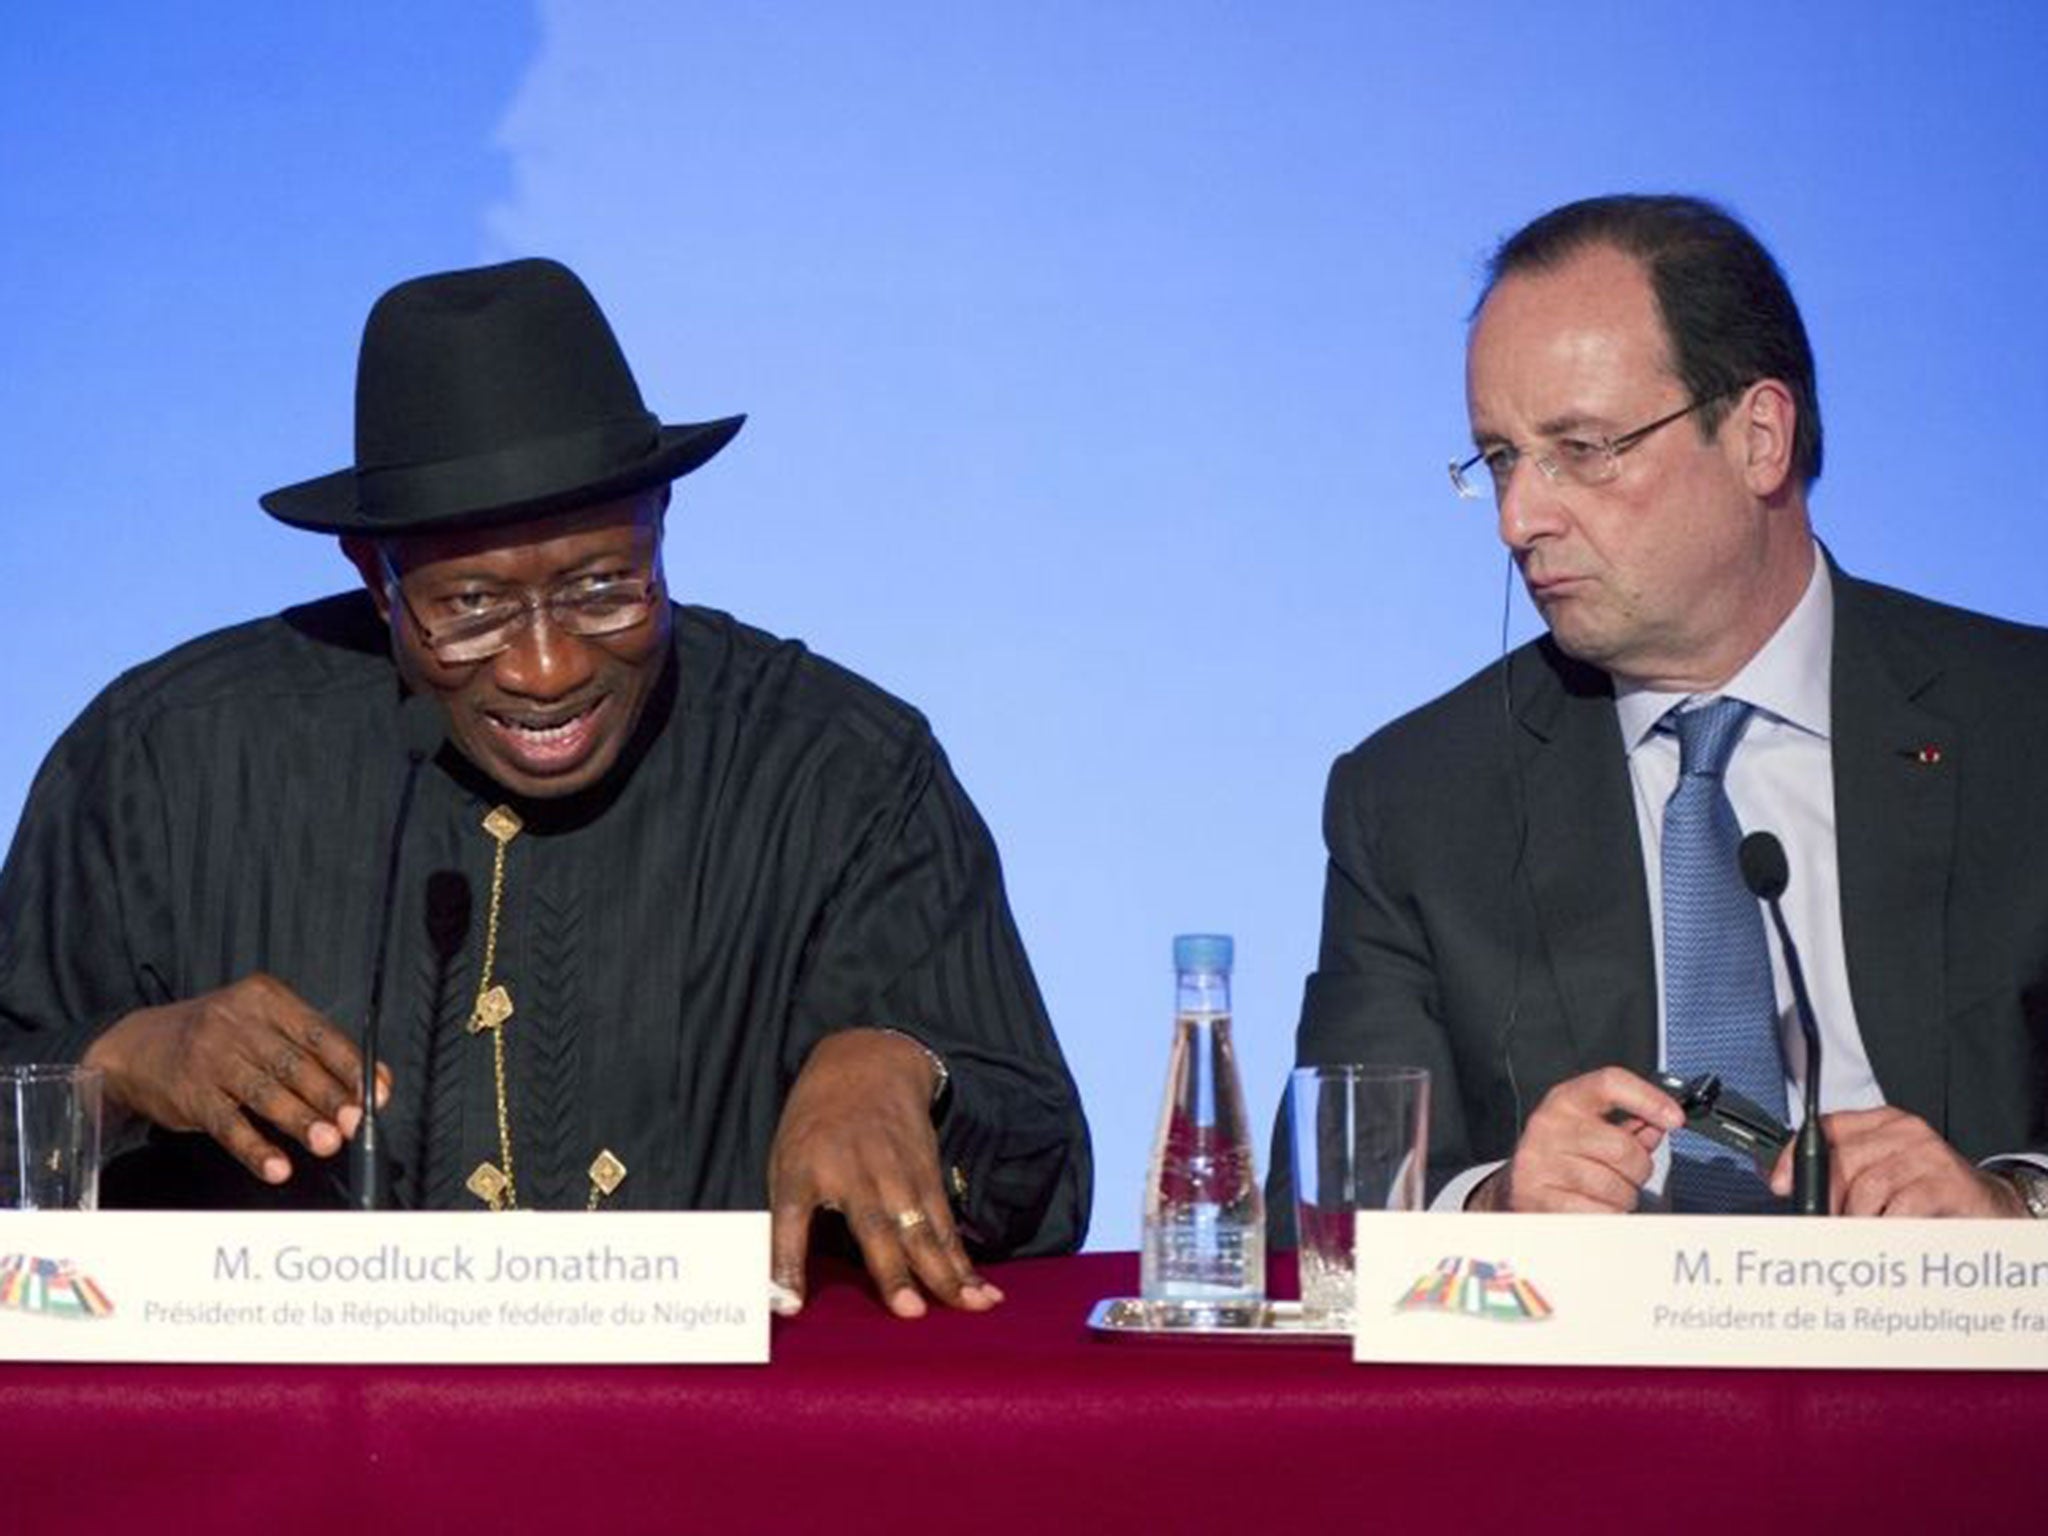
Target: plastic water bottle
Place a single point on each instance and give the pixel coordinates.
(1204, 1260)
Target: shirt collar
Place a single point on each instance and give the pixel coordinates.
(1787, 679)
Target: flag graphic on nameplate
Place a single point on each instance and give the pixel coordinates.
(52, 1287)
(1476, 1288)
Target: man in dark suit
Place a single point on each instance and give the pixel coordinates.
(1643, 411)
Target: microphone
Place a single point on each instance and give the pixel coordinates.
(421, 728)
(1766, 873)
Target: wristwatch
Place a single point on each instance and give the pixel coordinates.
(2031, 1185)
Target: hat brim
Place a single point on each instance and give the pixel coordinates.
(330, 503)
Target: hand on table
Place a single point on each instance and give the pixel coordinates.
(1886, 1162)
(1586, 1148)
(856, 1137)
(204, 1064)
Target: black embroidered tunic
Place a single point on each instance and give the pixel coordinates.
(783, 851)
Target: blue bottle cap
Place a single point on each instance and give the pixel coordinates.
(1202, 952)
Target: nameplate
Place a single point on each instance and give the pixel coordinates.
(408, 1287)
(1853, 1293)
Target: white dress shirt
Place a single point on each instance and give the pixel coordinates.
(1780, 780)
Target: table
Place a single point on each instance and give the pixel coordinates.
(1021, 1421)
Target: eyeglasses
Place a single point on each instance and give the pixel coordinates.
(1569, 461)
(475, 626)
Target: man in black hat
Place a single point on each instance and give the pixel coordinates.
(684, 916)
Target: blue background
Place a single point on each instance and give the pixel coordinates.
(1103, 360)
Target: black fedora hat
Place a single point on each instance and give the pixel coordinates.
(492, 395)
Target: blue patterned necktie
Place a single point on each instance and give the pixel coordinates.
(1720, 1008)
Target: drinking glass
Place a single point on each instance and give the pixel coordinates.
(1361, 1138)
(49, 1138)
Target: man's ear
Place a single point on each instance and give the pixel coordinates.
(1765, 416)
(362, 554)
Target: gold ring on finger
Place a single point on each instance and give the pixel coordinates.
(911, 1219)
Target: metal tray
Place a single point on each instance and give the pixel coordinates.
(1276, 1322)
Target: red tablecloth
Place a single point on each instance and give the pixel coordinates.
(1020, 1420)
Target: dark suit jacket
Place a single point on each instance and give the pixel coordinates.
(1485, 913)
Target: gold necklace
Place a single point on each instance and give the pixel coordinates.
(495, 1183)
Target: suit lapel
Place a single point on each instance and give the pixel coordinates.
(1895, 766)
(1585, 860)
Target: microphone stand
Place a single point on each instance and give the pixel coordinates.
(1766, 873)
(1810, 1149)
(421, 727)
